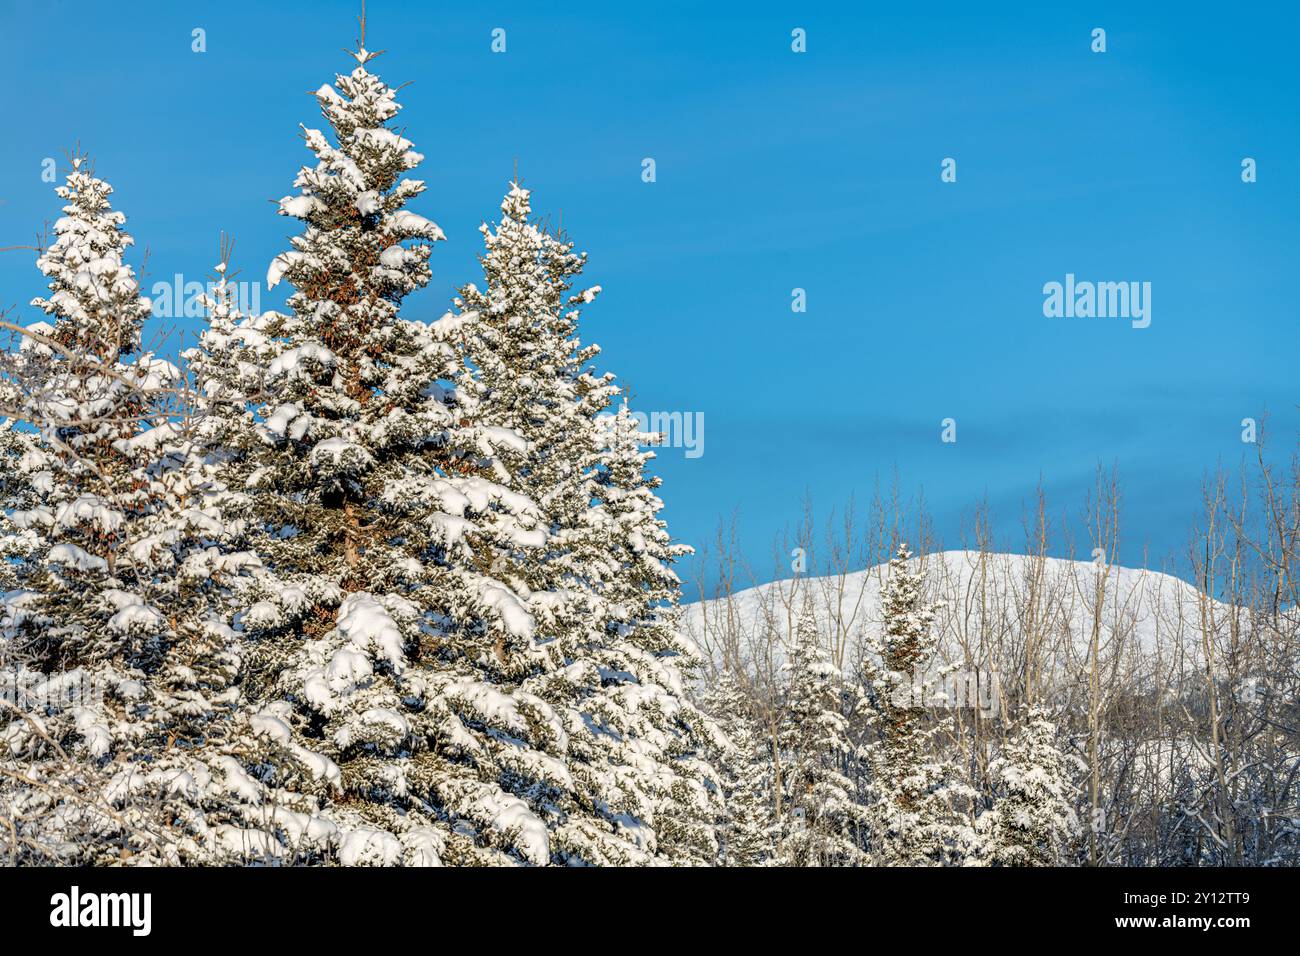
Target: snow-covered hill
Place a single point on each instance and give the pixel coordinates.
(994, 605)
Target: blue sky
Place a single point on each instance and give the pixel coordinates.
(775, 170)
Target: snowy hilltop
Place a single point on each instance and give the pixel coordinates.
(990, 604)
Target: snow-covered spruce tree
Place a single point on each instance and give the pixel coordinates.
(747, 831)
(227, 368)
(643, 661)
(601, 588)
(208, 771)
(914, 796)
(124, 665)
(524, 370)
(85, 635)
(522, 326)
(823, 818)
(394, 641)
(1033, 820)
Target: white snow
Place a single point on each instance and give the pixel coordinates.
(73, 555)
(412, 226)
(1144, 612)
(369, 846)
(291, 360)
(366, 623)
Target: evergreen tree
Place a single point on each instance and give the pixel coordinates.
(117, 742)
(627, 556)
(601, 588)
(747, 829)
(914, 795)
(1033, 820)
(621, 544)
(823, 818)
(78, 616)
(392, 638)
(524, 371)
